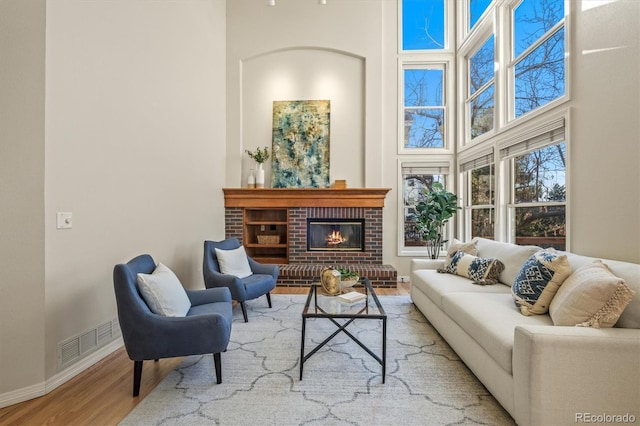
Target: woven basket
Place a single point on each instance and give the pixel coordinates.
(268, 239)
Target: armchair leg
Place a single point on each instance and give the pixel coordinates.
(218, 364)
(269, 298)
(244, 311)
(137, 376)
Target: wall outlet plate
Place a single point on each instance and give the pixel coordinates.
(64, 220)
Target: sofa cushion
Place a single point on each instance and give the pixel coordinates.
(435, 285)
(538, 281)
(456, 245)
(163, 292)
(490, 320)
(480, 270)
(511, 255)
(591, 297)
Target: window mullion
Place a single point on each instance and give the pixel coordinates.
(537, 43)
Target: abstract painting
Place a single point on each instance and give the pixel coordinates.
(300, 144)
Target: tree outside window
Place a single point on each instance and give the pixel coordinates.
(424, 109)
(539, 197)
(482, 202)
(481, 89)
(414, 185)
(539, 54)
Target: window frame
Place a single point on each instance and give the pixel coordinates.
(449, 31)
(497, 19)
(483, 30)
(535, 131)
(444, 166)
(470, 97)
(511, 62)
(464, 18)
(444, 63)
(483, 157)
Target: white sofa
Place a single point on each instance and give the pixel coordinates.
(540, 373)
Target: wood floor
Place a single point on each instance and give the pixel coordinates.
(101, 395)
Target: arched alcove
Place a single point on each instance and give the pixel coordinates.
(307, 73)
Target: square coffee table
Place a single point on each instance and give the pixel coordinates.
(342, 314)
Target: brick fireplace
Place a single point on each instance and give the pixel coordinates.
(300, 265)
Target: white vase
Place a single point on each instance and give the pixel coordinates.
(260, 176)
(251, 180)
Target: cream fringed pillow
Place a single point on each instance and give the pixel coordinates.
(590, 297)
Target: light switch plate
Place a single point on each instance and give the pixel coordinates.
(64, 220)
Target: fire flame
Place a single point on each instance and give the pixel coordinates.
(335, 238)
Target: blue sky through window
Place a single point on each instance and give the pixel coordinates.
(423, 87)
(476, 9)
(423, 24)
(533, 18)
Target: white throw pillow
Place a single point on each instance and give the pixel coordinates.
(164, 293)
(234, 262)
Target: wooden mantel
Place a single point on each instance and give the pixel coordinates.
(304, 197)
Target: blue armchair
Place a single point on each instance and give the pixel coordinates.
(261, 282)
(205, 329)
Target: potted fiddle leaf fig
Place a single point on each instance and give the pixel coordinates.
(432, 214)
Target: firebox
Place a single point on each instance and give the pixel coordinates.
(335, 234)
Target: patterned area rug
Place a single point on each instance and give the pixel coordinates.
(426, 383)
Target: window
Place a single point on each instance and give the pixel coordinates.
(417, 177)
(423, 24)
(479, 204)
(424, 106)
(481, 82)
(476, 9)
(511, 62)
(537, 207)
(538, 68)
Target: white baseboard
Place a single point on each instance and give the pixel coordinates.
(21, 395)
(40, 389)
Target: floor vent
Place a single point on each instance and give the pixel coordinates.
(77, 347)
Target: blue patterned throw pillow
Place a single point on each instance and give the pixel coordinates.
(539, 279)
(480, 270)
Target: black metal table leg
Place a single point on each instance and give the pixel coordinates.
(304, 322)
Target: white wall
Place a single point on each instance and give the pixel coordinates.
(22, 262)
(307, 74)
(344, 51)
(134, 147)
(132, 142)
(605, 130)
(302, 50)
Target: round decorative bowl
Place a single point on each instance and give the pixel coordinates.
(349, 282)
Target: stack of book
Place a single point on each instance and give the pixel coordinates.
(352, 297)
